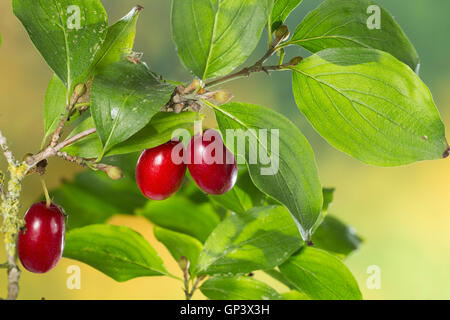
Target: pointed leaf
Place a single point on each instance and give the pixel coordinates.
(370, 105)
(292, 177)
(157, 132)
(345, 23)
(119, 39)
(213, 37)
(125, 96)
(68, 34)
(118, 252)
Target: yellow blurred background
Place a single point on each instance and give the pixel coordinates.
(402, 213)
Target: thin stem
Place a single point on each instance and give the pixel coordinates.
(282, 54)
(246, 72)
(53, 151)
(48, 201)
(195, 286)
(78, 92)
(186, 283)
(284, 45)
(75, 138)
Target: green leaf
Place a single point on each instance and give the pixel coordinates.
(180, 245)
(157, 132)
(336, 237)
(293, 179)
(242, 197)
(93, 198)
(321, 276)
(68, 34)
(238, 288)
(119, 39)
(261, 239)
(281, 11)
(125, 96)
(89, 147)
(54, 105)
(118, 252)
(213, 37)
(295, 295)
(368, 104)
(181, 215)
(345, 23)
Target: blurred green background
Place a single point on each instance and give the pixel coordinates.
(402, 213)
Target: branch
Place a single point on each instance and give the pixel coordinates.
(78, 92)
(75, 138)
(9, 210)
(53, 151)
(246, 72)
(195, 286)
(13, 278)
(185, 265)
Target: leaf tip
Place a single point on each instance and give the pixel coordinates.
(446, 153)
(139, 8)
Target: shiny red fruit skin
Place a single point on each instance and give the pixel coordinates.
(212, 177)
(40, 245)
(157, 175)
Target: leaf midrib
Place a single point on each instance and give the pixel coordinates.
(66, 43)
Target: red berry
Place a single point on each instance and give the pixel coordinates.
(40, 245)
(158, 175)
(211, 164)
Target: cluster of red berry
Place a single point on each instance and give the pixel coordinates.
(159, 176)
(41, 242)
